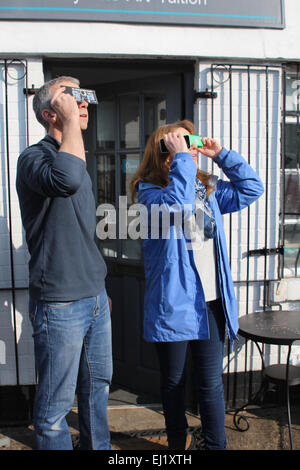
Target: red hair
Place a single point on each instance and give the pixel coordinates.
(153, 169)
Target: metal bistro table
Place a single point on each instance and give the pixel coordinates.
(272, 327)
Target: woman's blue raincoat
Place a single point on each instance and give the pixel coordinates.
(174, 303)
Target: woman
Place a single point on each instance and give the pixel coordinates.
(189, 297)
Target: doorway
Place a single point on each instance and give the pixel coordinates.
(127, 114)
(134, 98)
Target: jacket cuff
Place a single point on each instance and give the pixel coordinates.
(227, 158)
(180, 155)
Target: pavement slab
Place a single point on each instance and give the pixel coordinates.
(137, 428)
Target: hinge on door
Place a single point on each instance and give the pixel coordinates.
(266, 251)
(30, 91)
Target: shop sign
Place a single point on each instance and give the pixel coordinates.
(239, 13)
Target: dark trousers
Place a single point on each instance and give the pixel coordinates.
(207, 358)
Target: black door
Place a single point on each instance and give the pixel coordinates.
(127, 113)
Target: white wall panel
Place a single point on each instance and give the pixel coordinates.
(138, 40)
(16, 345)
(246, 117)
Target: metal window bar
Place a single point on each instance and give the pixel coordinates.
(265, 70)
(298, 152)
(266, 186)
(12, 287)
(287, 113)
(282, 186)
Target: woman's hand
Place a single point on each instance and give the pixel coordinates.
(175, 142)
(211, 147)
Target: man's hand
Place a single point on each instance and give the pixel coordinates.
(65, 107)
(68, 114)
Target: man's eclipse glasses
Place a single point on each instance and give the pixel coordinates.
(80, 94)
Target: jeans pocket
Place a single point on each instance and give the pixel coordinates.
(37, 317)
(56, 304)
(102, 307)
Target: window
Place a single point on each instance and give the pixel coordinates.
(124, 124)
(291, 172)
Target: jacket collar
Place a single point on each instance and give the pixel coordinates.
(49, 139)
(146, 185)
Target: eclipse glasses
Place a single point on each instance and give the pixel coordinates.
(80, 94)
(190, 140)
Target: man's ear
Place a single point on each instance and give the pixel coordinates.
(49, 116)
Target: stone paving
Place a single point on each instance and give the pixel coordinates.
(134, 428)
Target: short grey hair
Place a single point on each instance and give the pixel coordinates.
(42, 98)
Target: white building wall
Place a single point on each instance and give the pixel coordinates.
(33, 40)
(227, 118)
(120, 40)
(15, 327)
(16, 344)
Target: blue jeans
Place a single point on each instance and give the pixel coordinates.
(73, 354)
(208, 365)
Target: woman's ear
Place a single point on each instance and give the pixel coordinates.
(167, 162)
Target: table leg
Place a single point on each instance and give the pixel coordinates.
(252, 401)
(288, 397)
(237, 419)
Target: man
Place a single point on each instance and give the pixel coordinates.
(68, 303)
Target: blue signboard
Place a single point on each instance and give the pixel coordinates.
(239, 13)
